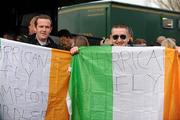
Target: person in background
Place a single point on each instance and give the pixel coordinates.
(106, 41)
(10, 35)
(139, 42)
(31, 29)
(169, 43)
(78, 42)
(81, 41)
(159, 40)
(66, 41)
(43, 28)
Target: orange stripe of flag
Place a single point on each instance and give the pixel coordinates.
(172, 85)
(58, 86)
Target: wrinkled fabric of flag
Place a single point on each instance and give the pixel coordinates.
(33, 82)
(125, 83)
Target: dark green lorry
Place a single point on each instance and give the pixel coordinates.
(97, 18)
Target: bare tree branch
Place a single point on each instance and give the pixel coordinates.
(168, 4)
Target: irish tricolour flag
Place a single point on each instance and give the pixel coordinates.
(125, 83)
(33, 82)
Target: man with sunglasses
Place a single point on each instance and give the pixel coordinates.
(121, 35)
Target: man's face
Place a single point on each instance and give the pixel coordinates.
(119, 37)
(43, 29)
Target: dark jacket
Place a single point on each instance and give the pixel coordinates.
(32, 40)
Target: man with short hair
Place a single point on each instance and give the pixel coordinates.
(43, 28)
(121, 35)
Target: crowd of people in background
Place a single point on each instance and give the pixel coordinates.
(40, 28)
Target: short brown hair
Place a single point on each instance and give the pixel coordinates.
(42, 16)
(124, 26)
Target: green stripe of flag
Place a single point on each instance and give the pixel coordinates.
(91, 84)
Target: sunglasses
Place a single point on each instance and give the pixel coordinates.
(115, 37)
